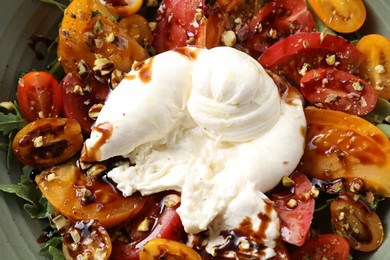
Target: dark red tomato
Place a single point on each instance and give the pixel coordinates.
(295, 209)
(277, 20)
(178, 24)
(326, 246)
(79, 97)
(338, 90)
(39, 95)
(293, 56)
(163, 222)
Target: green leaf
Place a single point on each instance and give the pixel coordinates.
(385, 128)
(380, 112)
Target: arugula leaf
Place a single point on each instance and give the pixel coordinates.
(58, 3)
(13, 120)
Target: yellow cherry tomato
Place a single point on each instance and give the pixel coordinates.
(122, 7)
(157, 247)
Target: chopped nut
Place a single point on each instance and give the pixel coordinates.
(116, 78)
(103, 66)
(356, 185)
(40, 114)
(84, 195)
(238, 20)
(74, 233)
(77, 89)
(144, 226)
(335, 188)
(98, 27)
(380, 69)
(331, 98)
(273, 33)
(287, 182)
(331, 60)
(50, 177)
(94, 111)
(61, 222)
(305, 44)
(358, 86)
(96, 171)
(38, 141)
(323, 35)
(171, 200)
(304, 69)
(152, 26)
(83, 70)
(110, 37)
(314, 192)
(292, 203)
(259, 27)
(228, 38)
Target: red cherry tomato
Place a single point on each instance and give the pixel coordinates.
(327, 246)
(338, 90)
(295, 209)
(39, 95)
(178, 24)
(277, 20)
(79, 97)
(293, 56)
(164, 222)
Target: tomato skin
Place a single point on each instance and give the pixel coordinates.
(357, 222)
(289, 56)
(343, 16)
(160, 247)
(167, 225)
(76, 104)
(94, 241)
(47, 141)
(175, 24)
(296, 221)
(64, 186)
(277, 20)
(340, 145)
(39, 95)
(326, 246)
(122, 8)
(376, 68)
(338, 90)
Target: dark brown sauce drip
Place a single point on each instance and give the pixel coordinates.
(94, 153)
(34, 39)
(144, 70)
(190, 53)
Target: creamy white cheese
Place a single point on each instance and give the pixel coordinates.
(236, 138)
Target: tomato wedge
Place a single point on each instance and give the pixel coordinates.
(122, 7)
(277, 20)
(39, 95)
(338, 90)
(158, 248)
(293, 56)
(295, 209)
(326, 246)
(71, 194)
(357, 222)
(344, 16)
(340, 145)
(376, 68)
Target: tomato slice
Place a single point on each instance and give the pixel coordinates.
(357, 222)
(338, 90)
(122, 7)
(277, 20)
(79, 97)
(325, 246)
(39, 95)
(295, 208)
(158, 248)
(340, 145)
(376, 68)
(77, 198)
(179, 23)
(86, 239)
(47, 142)
(344, 16)
(163, 220)
(293, 56)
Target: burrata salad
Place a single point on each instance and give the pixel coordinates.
(206, 130)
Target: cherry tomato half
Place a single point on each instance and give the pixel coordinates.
(47, 141)
(293, 56)
(326, 246)
(160, 247)
(295, 209)
(86, 239)
(340, 145)
(357, 222)
(376, 67)
(338, 90)
(71, 194)
(277, 20)
(122, 8)
(39, 95)
(344, 16)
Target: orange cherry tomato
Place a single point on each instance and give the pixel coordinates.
(344, 16)
(84, 37)
(77, 198)
(86, 239)
(376, 68)
(47, 141)
(122, 7)
(357, 222)
(340, 145)
(160, 248)
(39, 95)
